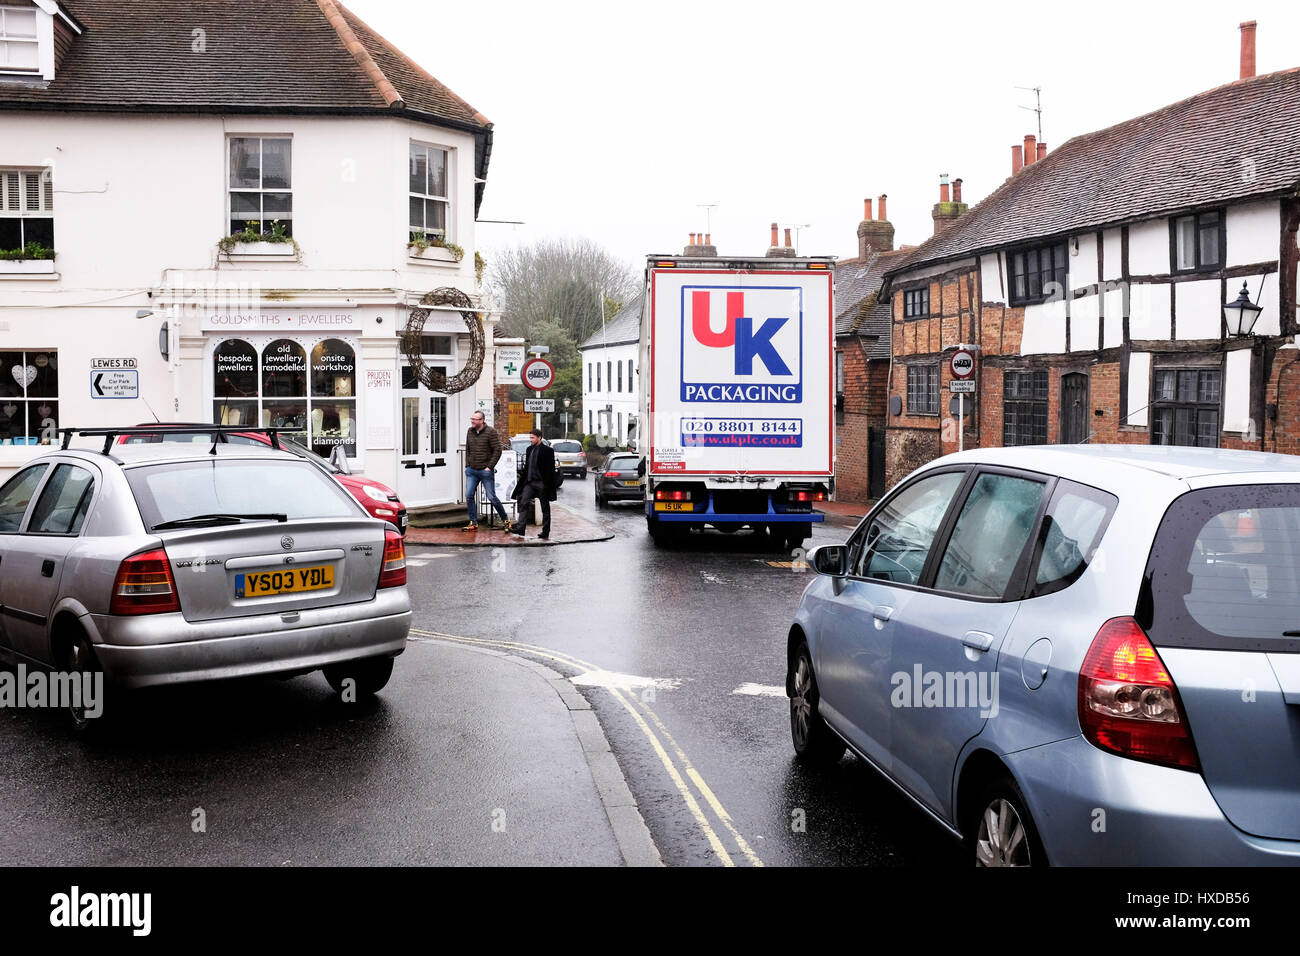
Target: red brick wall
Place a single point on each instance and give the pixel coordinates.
(865, 401)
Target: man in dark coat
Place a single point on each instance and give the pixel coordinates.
(537, 481)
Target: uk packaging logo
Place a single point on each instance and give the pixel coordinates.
(742, 344)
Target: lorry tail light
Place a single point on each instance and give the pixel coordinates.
(1128, 703)
(678, 495)
(393, 574)
(144, 585)
(820, 496)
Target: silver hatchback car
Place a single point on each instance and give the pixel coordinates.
(170, 563)
(1070, 654)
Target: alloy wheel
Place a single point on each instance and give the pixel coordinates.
(1002, 839)
(800, 705)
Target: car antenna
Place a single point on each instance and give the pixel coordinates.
(151, 411)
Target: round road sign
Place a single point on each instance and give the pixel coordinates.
(538, 373)
(962, 364)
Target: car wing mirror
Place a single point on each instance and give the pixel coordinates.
(339, 459)
(830, 559)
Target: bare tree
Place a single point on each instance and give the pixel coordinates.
(575, 283)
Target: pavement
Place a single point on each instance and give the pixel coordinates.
(470, 756)
(566, 528)
(845, 509)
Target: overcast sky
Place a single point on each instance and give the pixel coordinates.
(617, 120)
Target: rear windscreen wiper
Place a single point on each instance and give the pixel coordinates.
(219, 519)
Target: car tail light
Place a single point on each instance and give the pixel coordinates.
(393, 574)
(613, 474)
(144, 585)
(1128, 703)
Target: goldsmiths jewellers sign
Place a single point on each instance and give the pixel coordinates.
(281, 320)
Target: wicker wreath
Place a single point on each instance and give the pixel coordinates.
(435, 379)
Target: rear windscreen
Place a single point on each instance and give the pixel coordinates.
(568, 447)
(175, 490)
(1224, 571)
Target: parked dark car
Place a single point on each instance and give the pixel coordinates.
(620, 478)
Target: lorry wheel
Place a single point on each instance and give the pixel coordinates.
(797, 534)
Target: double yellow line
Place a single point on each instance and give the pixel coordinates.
(661, 741)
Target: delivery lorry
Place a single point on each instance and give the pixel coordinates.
(737, 416)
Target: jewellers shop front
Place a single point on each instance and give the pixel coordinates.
(337, 377)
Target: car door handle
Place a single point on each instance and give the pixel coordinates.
(882, 615)
(977, 640)
(47, 568)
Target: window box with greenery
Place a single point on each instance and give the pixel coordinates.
(433, 248)
(252, 242)
(1038, 273)
(31, 259)
(26, 222)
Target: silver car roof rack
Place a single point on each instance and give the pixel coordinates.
(218, 432)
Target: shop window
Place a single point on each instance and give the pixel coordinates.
(283, 387)
(261, 195)
(1024, 408)
(333, 401)
(1185, 407)
(235, 383)
(428, 192)
(26, 209)
(29, 397)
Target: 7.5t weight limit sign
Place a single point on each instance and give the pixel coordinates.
(962, 364)
(538, 374)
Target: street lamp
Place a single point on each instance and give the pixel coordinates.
(1242, 314)
(567, 401)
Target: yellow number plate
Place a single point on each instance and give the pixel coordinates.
(674, 506)
(631, 484)
(286, 581)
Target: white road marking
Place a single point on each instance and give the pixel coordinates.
(711, 578)
(616, 681)
(760, 690)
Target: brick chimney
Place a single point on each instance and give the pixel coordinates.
(1017, 159)
(1042, 151)
(1247, 49)
(875, 235)
(1031, 151)
(700, 245)
(778, 251)
(947, 211)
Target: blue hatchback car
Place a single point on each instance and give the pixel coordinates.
(1070, 654)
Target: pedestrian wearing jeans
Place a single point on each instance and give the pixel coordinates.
(482, 452)
(538, 482)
